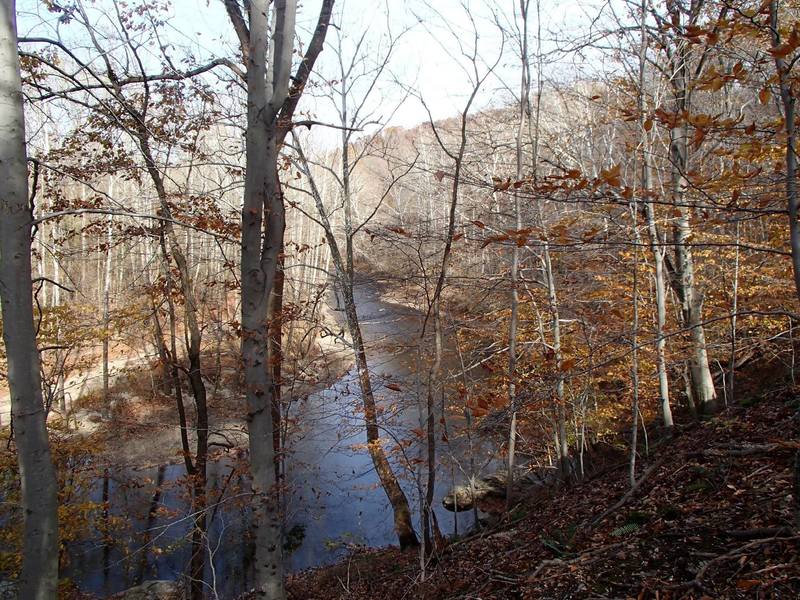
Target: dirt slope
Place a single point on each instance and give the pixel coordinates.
(712, 518)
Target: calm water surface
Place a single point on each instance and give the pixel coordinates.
(334, 499)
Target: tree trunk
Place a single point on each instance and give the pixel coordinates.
(344, 283)
(562, 445)
(107, 309)
(397, 498)
(258, 275)
(652, 230)
(661, 307)
(193, 341)
(512, 327)
(275, 357)
(270, 107)
(262, 213)
(634, 351)
(39, 577)
(788, 100)
(429, 526)
(683, 281)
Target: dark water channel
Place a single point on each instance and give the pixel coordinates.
(333, 501)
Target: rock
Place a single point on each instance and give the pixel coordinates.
(152, 590)
(8, 590)
(489, 492)
(93, 417)
(462, 497)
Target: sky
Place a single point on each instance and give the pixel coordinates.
(428, 59)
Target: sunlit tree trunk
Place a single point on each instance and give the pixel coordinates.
(661, 303)
(653, 233)
(683, 280)
(562, 444)
(39, 577)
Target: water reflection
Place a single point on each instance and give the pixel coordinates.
(333, 499)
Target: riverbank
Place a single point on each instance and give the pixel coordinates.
(334, 501)
(707, 520)
(140, 429)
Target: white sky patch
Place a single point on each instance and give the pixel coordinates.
(432, 57)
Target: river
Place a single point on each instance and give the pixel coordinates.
(333, 499)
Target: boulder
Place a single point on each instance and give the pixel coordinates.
(463, 497)
(152, 590)
(8, 590)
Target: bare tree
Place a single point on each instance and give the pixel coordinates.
(654, 236)
(788, 101)
(39, 577)
(477, 74)
(522, 116)
(271, 104)
(355, 113)
(681, 70)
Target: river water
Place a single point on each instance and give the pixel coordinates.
(333, 498)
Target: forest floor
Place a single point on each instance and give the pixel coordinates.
(710, 517)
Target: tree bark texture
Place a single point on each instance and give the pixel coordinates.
(683, 280)
(39, 577)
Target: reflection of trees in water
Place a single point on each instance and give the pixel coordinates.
(150, 524)
(332, 497)
(131, 545)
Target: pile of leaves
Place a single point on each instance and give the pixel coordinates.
(711, 516)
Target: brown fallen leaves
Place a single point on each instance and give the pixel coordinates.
(704, 524)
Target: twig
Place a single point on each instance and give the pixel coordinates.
(602, 550)
(697, 582)
(629, 494)
(761, 532)
(750, 449)
(55, 283)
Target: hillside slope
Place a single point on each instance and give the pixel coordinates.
(712, 517)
